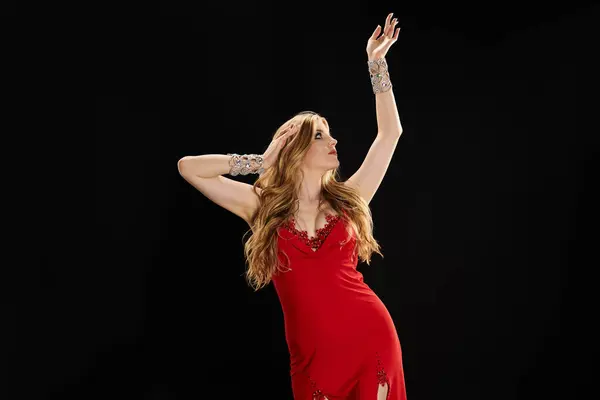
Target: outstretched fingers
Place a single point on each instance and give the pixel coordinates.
(387, 24)
(390, 29)
(375, 33)
(397, 33)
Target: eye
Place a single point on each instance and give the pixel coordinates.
(318, 133)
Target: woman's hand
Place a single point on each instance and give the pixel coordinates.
(378, 47)
(276, 145)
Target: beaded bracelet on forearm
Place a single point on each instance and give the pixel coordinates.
(240, 164)
(380, 77)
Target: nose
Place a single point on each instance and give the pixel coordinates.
(333, 143)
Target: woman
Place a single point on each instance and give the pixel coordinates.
(309, 230)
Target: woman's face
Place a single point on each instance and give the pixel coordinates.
(322, 143)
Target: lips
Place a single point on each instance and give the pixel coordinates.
(333, 152)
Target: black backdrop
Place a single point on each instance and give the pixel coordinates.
(480, 215)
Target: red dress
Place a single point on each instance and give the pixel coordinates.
(341, 338)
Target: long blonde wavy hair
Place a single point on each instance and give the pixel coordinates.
(278, 201)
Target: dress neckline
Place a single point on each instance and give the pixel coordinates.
(314, 242)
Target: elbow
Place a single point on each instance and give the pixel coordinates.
(181, 165)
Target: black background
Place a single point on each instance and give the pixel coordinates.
(482, 215)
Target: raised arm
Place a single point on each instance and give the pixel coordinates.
(371, 172)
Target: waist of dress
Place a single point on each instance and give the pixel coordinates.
(337, 317)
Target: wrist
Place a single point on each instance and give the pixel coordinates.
(266, 164)
(374, 57)
(380, 77)
(246, 164)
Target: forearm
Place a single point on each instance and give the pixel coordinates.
(388, 119)
(212, 165)
(204, 166)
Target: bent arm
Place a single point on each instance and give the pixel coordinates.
(204, 173)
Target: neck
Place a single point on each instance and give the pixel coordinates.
(310, 187)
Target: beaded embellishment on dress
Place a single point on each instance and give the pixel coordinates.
(382, 376)
(317, 393)
(313, 242)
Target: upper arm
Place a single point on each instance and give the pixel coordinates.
(370, 174)
(237, 197)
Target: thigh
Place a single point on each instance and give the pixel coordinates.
(381, 379)
(371, 388)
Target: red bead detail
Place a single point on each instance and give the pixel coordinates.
(382, 377)
(317, 393)
(321, 233)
